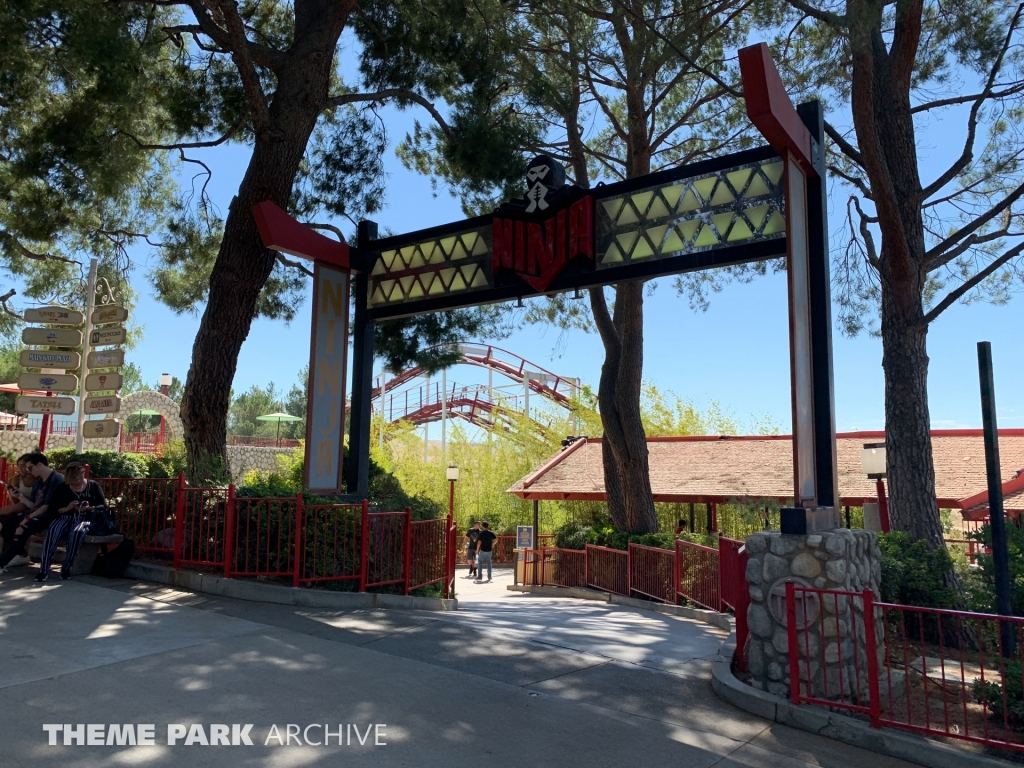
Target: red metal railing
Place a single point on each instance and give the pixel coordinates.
(264, 537)
(427, 558)
(734, 590)
(928, 670)
(698, 574)
(972, 548)
(608, 569)
(385, 538)
(202, 521)
(652, 572)
(330, 543)
(563, 567)
(145, 510)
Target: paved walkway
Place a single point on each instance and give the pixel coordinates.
(509, 680)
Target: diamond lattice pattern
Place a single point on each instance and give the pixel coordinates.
(445, 265)
(733, 206)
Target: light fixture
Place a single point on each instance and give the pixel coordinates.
(577, 294)
(452, 473)
(165, 379)
(872, 460)
(519, 303)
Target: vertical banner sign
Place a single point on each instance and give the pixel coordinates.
(805, 494)
(325, 419)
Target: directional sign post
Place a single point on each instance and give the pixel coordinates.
(111, 358)
(52, 337)
(103, 382)
(54, 382)
(63, 406)
(105, 428)
(44, 358)
(101, 337)
(109, 314)
(54, 316)
(101, 404)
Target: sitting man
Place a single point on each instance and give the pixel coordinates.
(23, 502)
(38, 519)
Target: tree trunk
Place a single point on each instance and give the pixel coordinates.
(624, 448)
(243, 263)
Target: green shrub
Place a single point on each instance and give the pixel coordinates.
(573, 535)
(991, 694)
(984, 598)
(103, 463)
(913, 574)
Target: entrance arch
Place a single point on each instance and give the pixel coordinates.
(154, 401)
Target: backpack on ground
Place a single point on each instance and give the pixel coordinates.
(113, 559)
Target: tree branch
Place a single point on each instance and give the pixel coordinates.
(266, 57)
(393, 93)
(191, 144)
(972, 121)
(956, 294)
(16, 244)
(844, 146)
(293, 264)
(240, 55)
(936, 253)
(329, 228)
(7, 310)
(833, 20)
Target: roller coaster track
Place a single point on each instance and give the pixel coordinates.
(478, 405)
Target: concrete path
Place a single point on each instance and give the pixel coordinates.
(508, 680)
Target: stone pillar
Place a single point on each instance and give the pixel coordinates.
(841, 559)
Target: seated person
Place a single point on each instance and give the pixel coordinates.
(22, 503)
(74, 502)
(38, 518)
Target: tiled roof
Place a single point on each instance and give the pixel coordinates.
(719, 468)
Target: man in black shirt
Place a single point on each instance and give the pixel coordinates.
(472, 537)
(484, 549)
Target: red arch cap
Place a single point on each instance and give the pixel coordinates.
(769, 107)
(281, 232)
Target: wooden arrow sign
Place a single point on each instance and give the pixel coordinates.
(102, 404)
(102, 382)
(112, 358)
(44, 358)
(54, 316)
(52, 337)
(64, 406)
(105, 428)
(109, 314)
(55, 382)
(101, 337)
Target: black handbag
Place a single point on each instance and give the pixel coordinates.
(101, 522)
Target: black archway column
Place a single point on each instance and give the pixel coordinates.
(358, 476)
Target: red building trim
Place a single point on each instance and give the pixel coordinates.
(280, 232)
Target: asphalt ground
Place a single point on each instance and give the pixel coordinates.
(510, 679)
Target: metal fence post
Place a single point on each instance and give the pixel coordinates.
(675, 574)
(586, 565)
(794, 651)
(364, 536)
(449, 556)
(297, 565)
(871, 641)
(179, 521)
(229, 531)
(407, 546)
(629, 569)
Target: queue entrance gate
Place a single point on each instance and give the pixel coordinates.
(749, 206)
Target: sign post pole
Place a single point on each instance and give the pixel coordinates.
(90, 305)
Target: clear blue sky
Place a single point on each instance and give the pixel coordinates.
(735, 353)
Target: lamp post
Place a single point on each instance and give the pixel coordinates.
(452, 475)
(165, 385)
(872, 462)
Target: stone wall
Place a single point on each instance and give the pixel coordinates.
(16, 443)
(245, 458)
(835, 560)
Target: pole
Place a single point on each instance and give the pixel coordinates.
(90, 305)
(526, 389)
(44, 429)
(426, 424)
(358, 480)
(883, 506)
(536, 524)
(444, 414)
(383, 417)
(163, 422)
(1000, 559)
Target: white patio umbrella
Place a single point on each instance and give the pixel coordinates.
(278, 417)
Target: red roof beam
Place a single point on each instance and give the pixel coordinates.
(280, 232)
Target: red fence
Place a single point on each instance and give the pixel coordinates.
(282, 537)
(928, 670)
(734, 591)
(698, 578)
(608, 569)
(652, 572)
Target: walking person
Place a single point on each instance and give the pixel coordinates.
(484, 551)
(74, 502)
(41, 514)
(472, 537)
